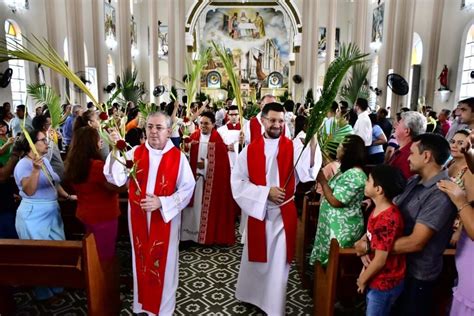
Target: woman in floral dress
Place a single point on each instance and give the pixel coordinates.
(340, 214)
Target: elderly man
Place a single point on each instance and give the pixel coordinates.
(254, 128)
(410, 125)
(162, 188)
(263, 185)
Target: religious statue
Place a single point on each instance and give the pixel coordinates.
(260, 74)
(443, 78)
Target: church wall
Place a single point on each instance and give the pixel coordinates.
(455, 21)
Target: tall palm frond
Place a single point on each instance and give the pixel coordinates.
(349, 56)
(39, 51)
(354, 86)
(131, 89)
(228, 62)
(191, 84)
(45, 95)
(330, 140)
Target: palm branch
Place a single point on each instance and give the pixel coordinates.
(130, 89)
(44, 94)
(39, 51)
(228, 62)
(354, 86)
(329, 141)
(350, 55)
(191, 83)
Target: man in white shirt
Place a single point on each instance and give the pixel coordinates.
(363, 126)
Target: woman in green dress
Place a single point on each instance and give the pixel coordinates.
(340, 213)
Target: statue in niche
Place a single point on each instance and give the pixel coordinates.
(443, 78)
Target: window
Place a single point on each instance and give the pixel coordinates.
(18, 81)
(467, 83)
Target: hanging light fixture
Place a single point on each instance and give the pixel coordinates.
(110, 42)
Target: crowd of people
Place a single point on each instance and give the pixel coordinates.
(199, 170)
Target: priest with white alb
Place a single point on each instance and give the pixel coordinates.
(258, 186)
(163, 186)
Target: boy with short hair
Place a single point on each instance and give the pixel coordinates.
(385, 272)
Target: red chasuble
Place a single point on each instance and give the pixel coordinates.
(256, 164)
(151, 249)
(218, 206)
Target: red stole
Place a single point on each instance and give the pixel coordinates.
(151, 249)
(256, 164)
(231, 127)
(218, 208)
(255, 129)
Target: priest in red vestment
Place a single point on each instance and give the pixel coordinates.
(163, 187)
(263, 184)
(210, 216)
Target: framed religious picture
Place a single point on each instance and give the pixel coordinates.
(133, 32)
(163, 41)
(109, 20)
(377, 23)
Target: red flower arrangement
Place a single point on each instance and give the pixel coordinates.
(103, 116)
(121, 144)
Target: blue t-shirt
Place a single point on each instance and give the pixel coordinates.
(376, 132)
(44, 189)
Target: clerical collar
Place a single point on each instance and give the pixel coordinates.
(154, 151)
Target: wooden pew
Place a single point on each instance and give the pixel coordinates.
(307, 230)
(72, 264)
(326, 279)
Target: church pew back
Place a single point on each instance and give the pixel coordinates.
(327, 279)
(73, 264)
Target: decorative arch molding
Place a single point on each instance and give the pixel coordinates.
(461, 59)
(288, 6)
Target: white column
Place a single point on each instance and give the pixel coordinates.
(181, 49)
(124, 43)
(54, 78)
(153, 58)
(385, 55)
(402, 47)
(331, 32)
(100, 50)
(172, 41)
(360, 21)
(433, 50)
(75, 36)
(307, 59)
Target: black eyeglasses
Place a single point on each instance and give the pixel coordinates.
(44, 140)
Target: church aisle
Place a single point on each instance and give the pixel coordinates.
(207, 279)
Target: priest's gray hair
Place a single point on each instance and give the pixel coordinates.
(160, 113)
